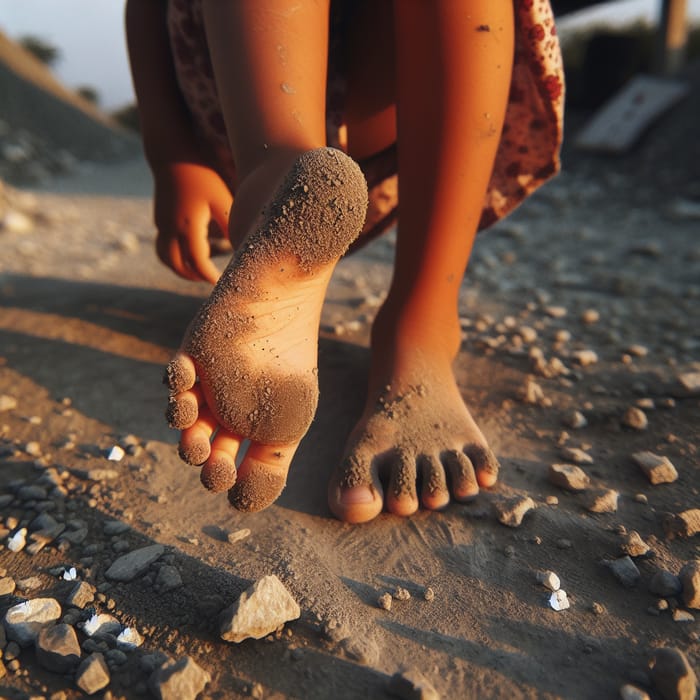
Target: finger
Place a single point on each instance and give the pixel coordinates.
(220, 211)
(168, 252)
(196, 250)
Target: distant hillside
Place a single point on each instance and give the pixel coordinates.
(44, 123)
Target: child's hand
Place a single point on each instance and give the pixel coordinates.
(188, 198)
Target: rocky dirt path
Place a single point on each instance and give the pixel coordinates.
(581, 348)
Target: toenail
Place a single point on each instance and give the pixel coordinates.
(356, 495)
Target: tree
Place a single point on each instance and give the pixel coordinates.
(47, 53)
(89, 93)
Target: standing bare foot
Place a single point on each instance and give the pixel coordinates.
(247, 365)
(415, 430)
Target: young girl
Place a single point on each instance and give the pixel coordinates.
(277, 102)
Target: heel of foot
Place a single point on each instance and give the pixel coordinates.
(318, 211)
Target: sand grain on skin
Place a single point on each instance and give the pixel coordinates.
(317, 212)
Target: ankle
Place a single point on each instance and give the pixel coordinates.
(418, 332)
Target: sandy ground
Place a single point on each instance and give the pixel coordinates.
(607, 253)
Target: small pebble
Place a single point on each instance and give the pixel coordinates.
(690, 580)
(558, 600)
(237, 535)
(585, 357)
(555, 311)
(635, 418)
(631, 692)
(601, 500)
(429, 594)
(549, 580)
(7, 403)
(680, 615)
(384, 601)
(590, 316)
(597, 608)
(568, 476)
(511, 511)
(575, 420)
(401, 593)
(576, 455)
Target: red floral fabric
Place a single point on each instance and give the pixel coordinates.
(528, 153)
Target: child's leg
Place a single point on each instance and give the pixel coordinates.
(253, 345)
(453, 64)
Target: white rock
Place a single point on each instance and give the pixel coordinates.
(558, 600)
(129, 638)
(18, 541)
(116, 454)
(101, 623)
(70, 574)
(549, 580)
(259, 611)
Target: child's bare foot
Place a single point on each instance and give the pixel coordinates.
(415, 430)
(247, 365)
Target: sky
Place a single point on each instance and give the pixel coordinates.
(90, 36)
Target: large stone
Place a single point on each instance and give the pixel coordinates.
(685, 524)
(658, 469)
(410, 684)
(672, 675)
(259, 611)
(82, 594)
(24, 620)
(634, 545)
(690, 580)
(129, 566)
(57, 648)
(624, 570)
(179, 680)
(92, 674)
(568, 476)
(664, 584)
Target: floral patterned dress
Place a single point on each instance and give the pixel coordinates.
(528, 152)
